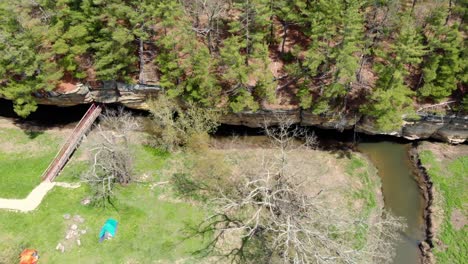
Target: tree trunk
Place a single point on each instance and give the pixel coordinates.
(419, 81)
(141, 78)
(272, 33)
(449, 12)
(247, 37)
(361, 64)
(412, 6)
(208, 40)
(285, 34)
(391, 80)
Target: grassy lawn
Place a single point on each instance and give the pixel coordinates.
(450, 181)
(23, 159)
(149, 229)
(151, 223)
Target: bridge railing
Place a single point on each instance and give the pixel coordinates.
(72, 142)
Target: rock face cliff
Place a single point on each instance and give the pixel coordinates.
(453, 129)
(131, 96)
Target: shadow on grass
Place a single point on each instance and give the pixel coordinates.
(342, 153)
(33, 134)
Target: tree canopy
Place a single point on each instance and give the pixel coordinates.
(334, 57)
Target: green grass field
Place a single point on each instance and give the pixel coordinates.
(23, 159)
(151, 228)
(450, 179)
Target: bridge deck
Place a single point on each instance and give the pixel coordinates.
(72, 142)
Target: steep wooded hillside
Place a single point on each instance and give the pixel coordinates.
(378, 57)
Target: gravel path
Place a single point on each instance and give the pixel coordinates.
(34, 198)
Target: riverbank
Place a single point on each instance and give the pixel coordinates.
(361, 185)
(442, 175)
(447, 128)
(344, 177)
(400, 192)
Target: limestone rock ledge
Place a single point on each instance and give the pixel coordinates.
(129, 95)
(452, 129)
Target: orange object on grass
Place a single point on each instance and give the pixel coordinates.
(29, 256)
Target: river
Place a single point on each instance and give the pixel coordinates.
(401, 194)
(400, 190)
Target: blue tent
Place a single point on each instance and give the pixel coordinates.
(108, 230)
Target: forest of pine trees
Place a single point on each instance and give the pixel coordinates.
(380, 58)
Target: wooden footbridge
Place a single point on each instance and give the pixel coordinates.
(33, 200)
(72, 143)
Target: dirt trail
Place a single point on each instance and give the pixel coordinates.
(34, 198)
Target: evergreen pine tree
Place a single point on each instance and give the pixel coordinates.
(245, 54)
(336, 32)
(71, 33)
(391, 100)
(345, 59)
(344, 54)
(291, 12)
(236, 75)
(443, 62)
(25, 66)
(114, 47)
(200, 84)
(186, 66)
(167, 59)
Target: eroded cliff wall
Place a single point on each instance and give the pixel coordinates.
(453, 129)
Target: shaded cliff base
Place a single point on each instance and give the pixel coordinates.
(450, 128)
(441, 170)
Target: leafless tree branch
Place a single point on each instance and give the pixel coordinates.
(110, 156)
(269, 218)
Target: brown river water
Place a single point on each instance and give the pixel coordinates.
(401, 194)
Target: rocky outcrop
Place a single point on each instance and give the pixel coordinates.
(79, 95)
(261, 118)
(453, 129)
(130, 95)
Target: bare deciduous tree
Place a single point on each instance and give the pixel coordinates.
(207, 15)
(269, 217)
(110, 157)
